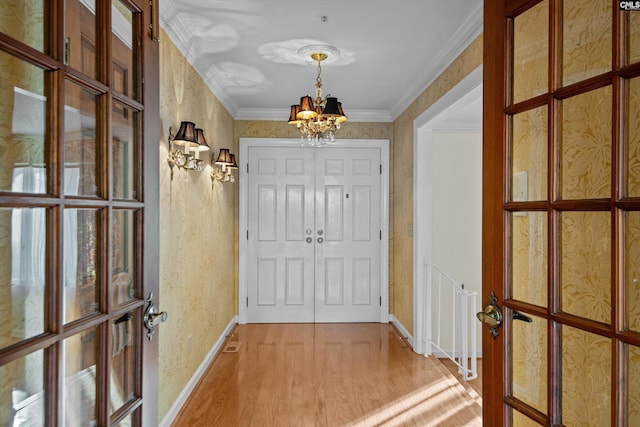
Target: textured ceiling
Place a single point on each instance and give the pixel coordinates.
(389, 51)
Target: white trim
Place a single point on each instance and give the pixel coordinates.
(393, 320)
(245, 143)
(191, 385)
(423, 129)
(281, 114)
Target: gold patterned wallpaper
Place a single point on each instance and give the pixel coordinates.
(402, 179)
(197, 250)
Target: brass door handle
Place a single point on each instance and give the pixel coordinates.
(492, 315)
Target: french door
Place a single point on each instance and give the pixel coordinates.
(314, 234)
(561, 213)
(78, 203)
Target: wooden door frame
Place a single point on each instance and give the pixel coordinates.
(494, 151)
(245, 144)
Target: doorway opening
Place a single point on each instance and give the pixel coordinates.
(447, 228)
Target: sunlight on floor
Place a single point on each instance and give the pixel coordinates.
(436, 402)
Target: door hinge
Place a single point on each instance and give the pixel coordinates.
(247, 168)
(380, 234)
(380, 168)
(380, 301)
(247, 234)
(67, 51)
(247, 301)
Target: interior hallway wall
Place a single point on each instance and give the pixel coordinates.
(197, 221)
(402, 179)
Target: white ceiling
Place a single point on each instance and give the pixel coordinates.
(389, 51)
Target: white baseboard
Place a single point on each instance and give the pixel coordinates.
(186, 391)
(393, 320)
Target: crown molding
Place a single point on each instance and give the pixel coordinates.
(470, 29)
(281, 114)
(178, 32)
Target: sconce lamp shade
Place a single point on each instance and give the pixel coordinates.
(186, 135)
(202, 143)
(307, 110)
(224, 158)
(233, 164)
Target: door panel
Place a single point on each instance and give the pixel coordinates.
(280, 205)
(560, 201)
(77, 161)
(348, 257)
(314, 253)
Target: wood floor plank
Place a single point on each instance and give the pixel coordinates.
(327, 375)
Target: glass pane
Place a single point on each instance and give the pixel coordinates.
(529, 364)
(633, 388)
(123, 341)
(22, 290)
(123, 257)
(585, 264)
(123, 145)
(80, 239)
(122, 45)
(632, 273)
(586, 378)
(24, 21)
(22, 391)
(633, 24)
(585, 165)
(80, 36)
(80, 356)
(529, 155)
(22, 126)
(520, 420)
(80, 173)
(586, 39)
(126, 422)
(531, 52)
(633, 145)
(529, 257)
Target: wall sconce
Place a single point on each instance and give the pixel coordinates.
(192, 141)
(227, 163)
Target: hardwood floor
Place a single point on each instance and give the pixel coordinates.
(327, 375)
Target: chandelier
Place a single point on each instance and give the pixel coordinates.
(317, 118)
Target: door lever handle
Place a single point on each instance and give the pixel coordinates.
(516, 315)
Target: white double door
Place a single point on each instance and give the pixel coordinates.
(314, 234)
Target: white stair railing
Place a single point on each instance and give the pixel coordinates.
(452, 318)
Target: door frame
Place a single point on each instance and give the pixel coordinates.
(245, 144)
(423, 127)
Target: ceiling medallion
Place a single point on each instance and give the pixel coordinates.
(318, 118)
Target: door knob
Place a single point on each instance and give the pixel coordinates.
(309, 240)
(492, 315)
(320, 240)
(152, 317)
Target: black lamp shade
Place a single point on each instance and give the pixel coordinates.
(186, 135)
(224, 158)
(233, 164)
(202, 143)
(307, 110)
(293, 119)
(341, 117)
(331, 107)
